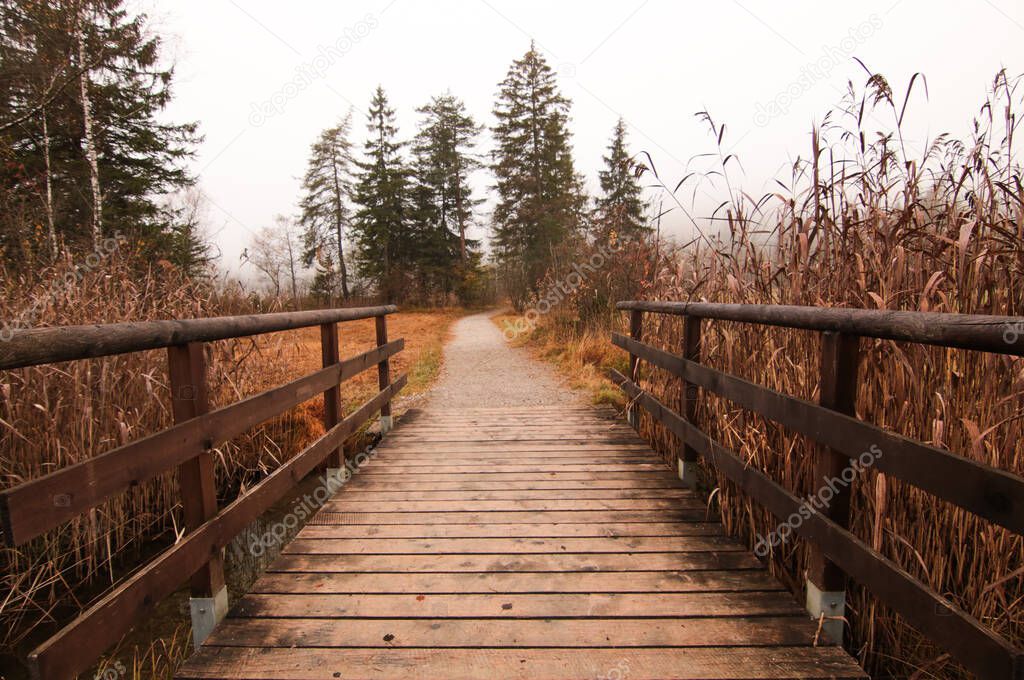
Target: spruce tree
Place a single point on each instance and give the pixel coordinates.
(82, 89)
(381, 228)
(325, 214)
(620, 208)
(444, 203)
(539, 196)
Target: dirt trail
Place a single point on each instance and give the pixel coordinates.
(481, 369)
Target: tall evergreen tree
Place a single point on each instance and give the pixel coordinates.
(82, 87)
(325, 217)
(381, 228)
(540, 199)
(444, 203)
(620, 208)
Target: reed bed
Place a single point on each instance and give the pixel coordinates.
(866, 220)
(56, 415)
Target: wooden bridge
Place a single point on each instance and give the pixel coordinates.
(516, 542)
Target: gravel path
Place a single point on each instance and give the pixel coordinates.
(481, 369)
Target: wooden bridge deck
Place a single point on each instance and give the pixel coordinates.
(516, 543)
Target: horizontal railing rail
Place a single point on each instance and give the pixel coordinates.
(36, 506)
(993, 494)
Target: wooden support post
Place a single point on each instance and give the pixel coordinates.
(687, 462)
(197, 486)
(833, 475)
(384, 374)
(335, 462)
(636, 320)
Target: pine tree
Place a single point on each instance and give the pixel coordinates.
(82, 88)
(327, 189)
(443, 198)
(381, 228)
(620, 208)
(540, 199)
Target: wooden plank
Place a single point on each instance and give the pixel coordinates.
(326, 530)
(76, 646)
(657, 475)
(520, 582)
(516, 605)
(991, 493)
(359, 484)
(477, 546)
(332, 397)
(580, 562)
(469, 459)
(32, 508)
(371, 469)
(515, 494)
(499, 506)
(976, 647)
(384, 366)
(714, 663)
(689, 392)
(371, 516)
(528, 633)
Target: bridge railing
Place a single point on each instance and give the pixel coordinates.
(991, 493)
(39, 505)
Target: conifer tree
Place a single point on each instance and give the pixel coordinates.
(444, 203)
(540, 199)
(325, 214)
(620, 208)
(82, 87)
(381, 228)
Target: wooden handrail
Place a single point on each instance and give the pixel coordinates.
(993, 494)
(34, 346)
(36, 506)
(986, 333)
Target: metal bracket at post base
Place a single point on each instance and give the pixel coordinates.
(386, 423)
(831, 605)
(207, 612)
(687, 472)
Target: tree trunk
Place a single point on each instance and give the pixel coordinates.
(51, 229)
(90, 142)
(338, 229)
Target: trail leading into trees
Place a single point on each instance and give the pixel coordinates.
(481, 369)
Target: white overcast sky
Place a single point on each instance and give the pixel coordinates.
(653, 62)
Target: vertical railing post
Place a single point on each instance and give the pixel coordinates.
(826, 582)
(197, 485)
(687, 461)
(384, 374)
(636, 321)
(332, 400)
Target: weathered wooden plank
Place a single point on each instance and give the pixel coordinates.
(372, 469)
(408, 546)
(520, 582)
(370, 516)
(766, 631)
(325, 529)
(516, 605)
(345, 505)
(376, 495)
(367, 484)
(584, 562)
(763, 663)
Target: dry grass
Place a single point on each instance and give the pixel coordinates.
(53, 416)
(864, 222)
